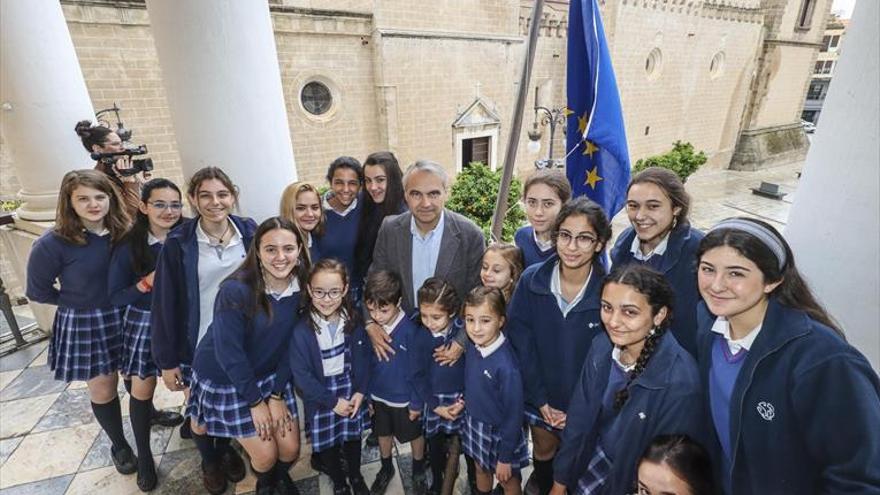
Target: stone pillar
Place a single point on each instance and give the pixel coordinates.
(220, 71)
(43, 96)
(833, 225)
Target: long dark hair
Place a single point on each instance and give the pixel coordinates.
(143, 261)
(656, 289)
(793, 290)
(582, 205)
(687, 459)
(373, 213)
(250, 272)
(331, 265)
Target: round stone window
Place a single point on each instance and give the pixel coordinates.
(316, 98)
(654, 64)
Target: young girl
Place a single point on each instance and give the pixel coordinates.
(544, 193)
(675, 465)
(553, 317)
(241, 385)
(636, 383)
(330, 355)
(661, 237)
(502, 265)
(301, 204)
(493, 398)
(196, 257)
(795, 408)
(86, 340)
(440, 387)
(131, 276)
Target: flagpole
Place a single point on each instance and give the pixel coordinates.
(516, 126)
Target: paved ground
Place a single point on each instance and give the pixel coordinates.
(51, 444)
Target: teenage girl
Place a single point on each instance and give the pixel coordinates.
(301, 204)
(493, 396)
(343, 207)
(675, 465)
(196, 257)
(131, 276)
(86, 340)
(661, 237)
(501, 267)
(440, 387)
(636, 383)
(330, 355)
(553, 317)
(544, 193)
(241, 385)
(794, 407)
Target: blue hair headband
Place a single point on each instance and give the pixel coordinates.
(768, 238)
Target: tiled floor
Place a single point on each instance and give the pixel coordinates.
(50, 443)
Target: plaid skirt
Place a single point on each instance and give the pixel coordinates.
(220, 409)
(326, 428)
(435, 424)
(137, 358)
(597, 472)
(479, 441)
(85, 343)
(187, 371)
(534, 418)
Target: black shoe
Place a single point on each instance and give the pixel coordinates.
(359, 486)
(168, 419)
(213, 478)
(372, 439)
(419, 482)
(232, 465)
(380, 484)
(146, 476)
(185, 430)
(124, 460)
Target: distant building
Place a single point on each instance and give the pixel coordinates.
(823, 71)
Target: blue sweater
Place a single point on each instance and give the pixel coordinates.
(340, 235)
(174, 317)
(81, 271)
(392, 380)
(122, 280)
(679, 265)
(429, 376)
(304, 357)
(805, 410)
(524, 238)
(666, 398)
(493, 394)
(240, 349)
(551, 348)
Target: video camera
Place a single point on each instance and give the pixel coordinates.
(137, 165)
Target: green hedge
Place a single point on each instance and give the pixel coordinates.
(474, 194)
(681, 159)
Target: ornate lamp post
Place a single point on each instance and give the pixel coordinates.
(547, 117)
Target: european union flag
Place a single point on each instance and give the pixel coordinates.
(598, 166)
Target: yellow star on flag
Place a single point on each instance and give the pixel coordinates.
(590, 148)
(593, 177)
(567, 111)
(582, 123)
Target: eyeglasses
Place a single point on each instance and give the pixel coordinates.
(582, 241)
(331, 294)
(161, 205)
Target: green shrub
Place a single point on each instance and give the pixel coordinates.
(682, 160)
(474, 194)
(7, 205)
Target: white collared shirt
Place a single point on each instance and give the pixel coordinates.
(544, 246)
(615, 356)
(489, 349)
(348, 209)
(556, 289)
(151, 239)
(442, 334)
(391, 326)
(722, 327)
(425, 252)
(328, 340)
(291, 289)
(216, 262)
(659, 249)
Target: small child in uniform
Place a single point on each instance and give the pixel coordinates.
(501, 267)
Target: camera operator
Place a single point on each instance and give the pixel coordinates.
(100, 139)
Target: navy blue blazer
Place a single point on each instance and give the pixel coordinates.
(175, 309)
(666, 398)
(679, 265)
(805, 410)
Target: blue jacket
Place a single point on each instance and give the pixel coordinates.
(122, 280)
(551, 348)
(666, 398)
(392, 380)
(340, 236)
(308, 369)
(80, 269)
(679, 265)
(524, 238)
(175, 310)
(805, 410)
(429, 376)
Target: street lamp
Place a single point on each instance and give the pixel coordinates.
(551, 117)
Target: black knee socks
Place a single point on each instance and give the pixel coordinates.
(332, 461)
(543, 473)
(266, 479)
(127, 385)
(140, 425)
(222, 444)
(352, 452)
(205, 444)
(437, 446)
(109, 416)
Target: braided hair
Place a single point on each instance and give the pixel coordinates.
(656, 289)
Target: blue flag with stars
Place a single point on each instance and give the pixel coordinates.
(598, 161)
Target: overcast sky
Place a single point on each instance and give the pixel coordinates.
(844, 7)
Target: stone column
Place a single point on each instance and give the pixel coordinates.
(220, 71)
(43, 96)
(833, 225)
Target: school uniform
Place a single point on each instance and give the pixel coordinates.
(314, 251)
(437, 385)
(328, 365)
(86, 334)
(795, 409)
(493, 397)
(340, 232)
(676, 258)
(533, 251)
(137, 358)
(242, 359)
(188, 275)
(552, 336)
